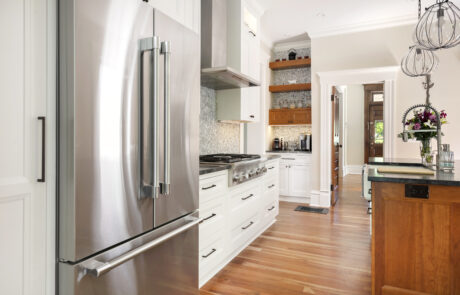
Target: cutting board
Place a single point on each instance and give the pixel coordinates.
(405, 170)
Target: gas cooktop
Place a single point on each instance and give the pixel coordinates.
(243, 167)
(228, 158)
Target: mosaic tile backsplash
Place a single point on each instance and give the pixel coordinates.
(289, 133)
(216, 137)
(281, 77)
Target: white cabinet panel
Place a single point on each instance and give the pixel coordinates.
(26, 29)
(299, 181)
(284, 179)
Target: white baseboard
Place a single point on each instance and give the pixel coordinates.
(320, 199)
(302, 200)
(353, 169)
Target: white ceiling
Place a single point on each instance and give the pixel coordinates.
(286, 19)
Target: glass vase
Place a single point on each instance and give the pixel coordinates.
(426, 152)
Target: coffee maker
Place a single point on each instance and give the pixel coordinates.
(277, 145)
(305, 142)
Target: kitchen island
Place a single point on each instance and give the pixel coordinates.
(416, 232)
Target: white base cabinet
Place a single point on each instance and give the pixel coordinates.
(233, 217)
(295, 175)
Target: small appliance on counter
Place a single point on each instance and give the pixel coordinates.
(305, 142)
(277, 145)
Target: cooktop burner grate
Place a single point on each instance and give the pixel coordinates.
(228, 158)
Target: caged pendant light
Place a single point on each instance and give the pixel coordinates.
(439, 27)
(418, 61)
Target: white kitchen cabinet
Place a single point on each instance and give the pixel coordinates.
(295, 175)
(284, 179)
(186, 12)
(27, 87)
(244, 44)
(234, 216)
(299, 180)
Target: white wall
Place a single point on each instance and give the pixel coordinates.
(380, 48)
(354, 125)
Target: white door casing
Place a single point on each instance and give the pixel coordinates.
(346, 77)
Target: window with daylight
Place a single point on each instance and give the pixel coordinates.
(378, 138)
(377, 97)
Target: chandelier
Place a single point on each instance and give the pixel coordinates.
(439, 27)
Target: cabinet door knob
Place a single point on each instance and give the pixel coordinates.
(252, 116)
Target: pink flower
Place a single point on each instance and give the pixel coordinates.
(433, 118)
(416, 126)
(443, 114)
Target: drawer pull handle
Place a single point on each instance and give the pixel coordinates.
(245, 198)
(209, 187)
(271, 186)
(209, 217)
(270, 209)
(291, 159)
(247, 226)
(209, 254)
(270, 168)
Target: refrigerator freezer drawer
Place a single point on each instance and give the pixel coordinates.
(169, 266)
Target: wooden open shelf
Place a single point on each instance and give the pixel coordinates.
(290, 64)
(300, 116)
(290, 87)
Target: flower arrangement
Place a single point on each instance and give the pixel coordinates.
(424, 120)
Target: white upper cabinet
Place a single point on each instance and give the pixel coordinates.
(186, 12)
(243, 42)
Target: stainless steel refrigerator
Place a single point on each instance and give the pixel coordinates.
(128, 154)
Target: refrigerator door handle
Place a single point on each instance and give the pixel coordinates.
(166, 51)
(97, 268)
(151, 189)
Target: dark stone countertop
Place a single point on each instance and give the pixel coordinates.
(290, 152)
(206, 168)
(440, 177)
(272, 157)
(379, 161)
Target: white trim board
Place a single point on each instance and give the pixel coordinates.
(288, 45)
(364, 26)
(301, 200)
(353, 169)
(344, 77)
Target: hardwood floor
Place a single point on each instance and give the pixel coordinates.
(306, 253)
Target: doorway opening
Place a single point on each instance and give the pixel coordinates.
(357, 121)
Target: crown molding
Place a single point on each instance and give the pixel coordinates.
(289, 45)
(364, 26)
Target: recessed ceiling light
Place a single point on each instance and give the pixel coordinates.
(320, 14)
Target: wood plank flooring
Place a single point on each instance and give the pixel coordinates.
(306, 253)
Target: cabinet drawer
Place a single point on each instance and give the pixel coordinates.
(211, 256)
(213, 214)
(269, 197)
(272, 168)
(244, 198)
(271, 210)
(212, 187)
(296, 159)
(243, 231)
(271, 184)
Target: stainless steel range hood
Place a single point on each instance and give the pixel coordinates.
(215, 71)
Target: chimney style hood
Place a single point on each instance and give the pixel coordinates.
(215, 72)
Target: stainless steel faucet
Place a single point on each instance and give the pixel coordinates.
(405, 135)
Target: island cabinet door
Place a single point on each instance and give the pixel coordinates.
(416, 239)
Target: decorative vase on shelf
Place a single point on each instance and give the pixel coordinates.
(426, 152)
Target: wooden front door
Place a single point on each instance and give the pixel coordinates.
(373, 121)
(335, 148)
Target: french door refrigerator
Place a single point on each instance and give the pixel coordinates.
(128, 155)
